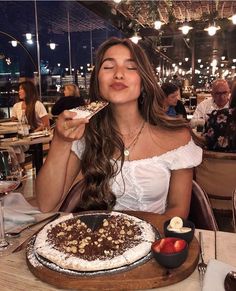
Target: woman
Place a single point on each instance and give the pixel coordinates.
(130, 155)
(172, 103)
(35, 111)
(30, 107)
(220, 127)
(71, 100)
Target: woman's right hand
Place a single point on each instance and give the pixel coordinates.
(70, 129)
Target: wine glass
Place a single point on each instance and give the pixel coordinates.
(10, 178)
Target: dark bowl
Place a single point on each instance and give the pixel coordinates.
(171, 260)
(188, 236)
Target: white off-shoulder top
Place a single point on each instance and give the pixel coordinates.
(143, 185)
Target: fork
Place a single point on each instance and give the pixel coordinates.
(202, 266)
(17, 233)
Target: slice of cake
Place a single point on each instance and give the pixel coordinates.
(87, 111)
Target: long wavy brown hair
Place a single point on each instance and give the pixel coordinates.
(31, 96)
(101, 137)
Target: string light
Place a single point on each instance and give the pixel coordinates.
(212, 29)
(158, 24)
(28, 36)
(185, 28)
(233, 18)
(135, 38)
(13, 43)
(52, 45)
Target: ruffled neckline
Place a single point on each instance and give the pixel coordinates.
(168, 153)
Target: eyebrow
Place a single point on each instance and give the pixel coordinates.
(112, 59)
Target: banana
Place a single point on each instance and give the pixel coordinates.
(176, 222)
(185, 229)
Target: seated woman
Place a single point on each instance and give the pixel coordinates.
(71, 99)
(220, 127)
(130, 155)
(34, 110)
(172, 103)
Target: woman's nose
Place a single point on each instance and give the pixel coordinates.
(119, 74)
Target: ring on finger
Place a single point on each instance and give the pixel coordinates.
(72, 129)
(65, 126)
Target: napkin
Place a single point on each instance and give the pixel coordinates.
(215, 275)
(17, 211)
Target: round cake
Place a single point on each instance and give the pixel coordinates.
(94, 242)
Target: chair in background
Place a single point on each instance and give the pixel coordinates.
(234, 209)
(217, 176)
(201, 213)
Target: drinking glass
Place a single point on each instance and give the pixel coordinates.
(10, 178)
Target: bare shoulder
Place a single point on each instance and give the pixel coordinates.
(182, 136)
(170, 139)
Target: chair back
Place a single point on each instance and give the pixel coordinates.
(234, 209)
(201, 213)
(217, 176)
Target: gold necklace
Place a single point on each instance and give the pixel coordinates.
(134, 141)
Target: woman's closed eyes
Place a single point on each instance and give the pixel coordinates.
(111, 64)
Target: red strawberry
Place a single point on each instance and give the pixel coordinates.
(179, 245)
(170, 240)
(156, 246)
(168, 248)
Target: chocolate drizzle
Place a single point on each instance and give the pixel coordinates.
(115, 235)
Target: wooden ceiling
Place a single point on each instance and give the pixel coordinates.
(129, 16)
(146, 12)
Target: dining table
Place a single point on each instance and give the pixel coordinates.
(16, 275)
(35, 142)
(8, 127)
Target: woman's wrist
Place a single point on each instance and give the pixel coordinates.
(61, 140)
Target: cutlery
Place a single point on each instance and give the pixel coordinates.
(25, 242)
(202, 266)
(17, 233)
(215, 245)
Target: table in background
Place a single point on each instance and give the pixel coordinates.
(6, 129)
(15, 275)
(36, 144)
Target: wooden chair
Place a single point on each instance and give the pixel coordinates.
(201, 213)
(217, 176)
(234, 209)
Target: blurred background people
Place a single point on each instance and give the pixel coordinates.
(220, 99)
(220, 128)
(70, 100)
(29, 104)
(33, 112)
(172, 103)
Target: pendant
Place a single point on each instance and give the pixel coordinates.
(126, 152)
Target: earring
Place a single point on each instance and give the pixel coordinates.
(141, 97)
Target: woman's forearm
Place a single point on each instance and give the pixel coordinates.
(177, 211)
(61, 166)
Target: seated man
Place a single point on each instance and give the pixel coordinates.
(220, 99)
(220, 128)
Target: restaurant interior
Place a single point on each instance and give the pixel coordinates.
(189, 43)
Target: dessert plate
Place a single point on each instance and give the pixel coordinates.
(93, 220)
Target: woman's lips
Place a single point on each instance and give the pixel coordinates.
(118, 86)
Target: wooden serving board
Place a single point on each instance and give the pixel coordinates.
(146, 276)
